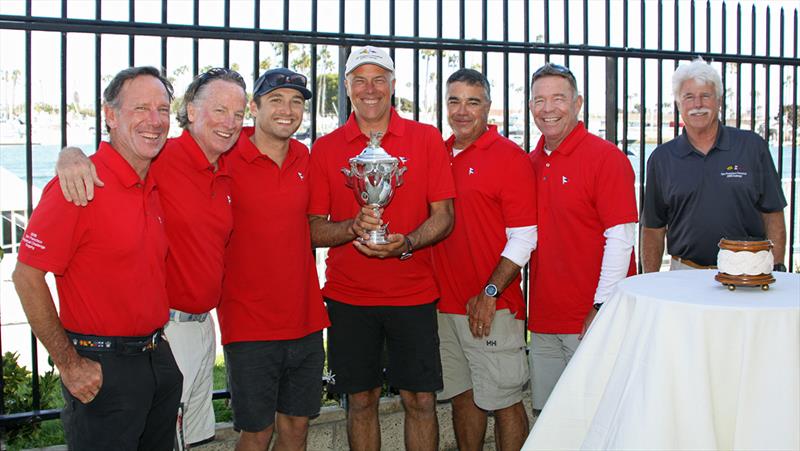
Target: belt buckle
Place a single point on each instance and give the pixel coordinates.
(152, 343)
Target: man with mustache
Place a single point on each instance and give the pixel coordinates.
(711, 182)
(194, 185)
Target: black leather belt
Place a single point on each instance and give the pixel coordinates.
(121, 345)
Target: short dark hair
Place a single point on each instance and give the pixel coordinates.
(472, 78)
(197, 87)
(111, 93)
(557, 70)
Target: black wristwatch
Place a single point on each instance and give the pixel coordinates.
(780, 267)
(409, 250)
(491, 290)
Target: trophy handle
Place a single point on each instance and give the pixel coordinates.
(348, 177)
(399, 176)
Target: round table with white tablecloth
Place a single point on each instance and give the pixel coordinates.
(674, 360)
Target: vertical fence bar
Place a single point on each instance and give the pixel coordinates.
(164, 39)
(738, 66)
(675, 118)
(256, 44)
(416, 62)
(793, 182)
(753, 71)
(724, 65)
(708, 26)
(506, 118)
(62, 108)
(484, 35)
(660, 76)
(692, 26)
(547, 28)
(226, 44)
(35, 389)
(439, 66)
(766, 80)
(98, 103)
(286, 28)
(462, 55)
(624, 81)
(643, 108)
(780, 95)
(586, 63)
(526, 134)
(131, 38)
(195, 41)
(314, 83)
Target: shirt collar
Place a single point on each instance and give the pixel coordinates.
(484, 141)
(570, 143)
(250, 152)
(396, 127)
(197, 157)
(686, 148)
(122, 170)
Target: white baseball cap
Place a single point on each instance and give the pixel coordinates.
(368, 55)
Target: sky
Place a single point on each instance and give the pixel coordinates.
(80, 47)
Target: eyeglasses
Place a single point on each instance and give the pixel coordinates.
(554, 69)
(268, 82)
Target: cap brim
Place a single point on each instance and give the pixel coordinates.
(374, 63)
(303, 90)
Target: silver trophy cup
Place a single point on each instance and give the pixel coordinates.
(373, 176)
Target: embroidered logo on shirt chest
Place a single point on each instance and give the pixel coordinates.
(733, 171)
(471, 171)
(300, 176)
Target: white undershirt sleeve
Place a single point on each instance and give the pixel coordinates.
(616, 259)
(521, 242)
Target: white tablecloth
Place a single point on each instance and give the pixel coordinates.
(676, 361)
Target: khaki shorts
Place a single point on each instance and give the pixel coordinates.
(494, 367)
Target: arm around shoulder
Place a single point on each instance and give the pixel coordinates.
(77, 176)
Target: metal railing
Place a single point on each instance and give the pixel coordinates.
(505, 39)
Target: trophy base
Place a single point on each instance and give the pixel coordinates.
(375, 237)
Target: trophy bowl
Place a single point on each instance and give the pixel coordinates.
(373, 176)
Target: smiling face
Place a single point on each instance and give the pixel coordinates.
(215, 117)
(278, 114)
(370, 89)
(555, 107)
(698, 105)
(139, 121)
(467, 112)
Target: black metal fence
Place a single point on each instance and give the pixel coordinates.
(623, 54)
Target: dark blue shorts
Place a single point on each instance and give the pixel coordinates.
(265, 377)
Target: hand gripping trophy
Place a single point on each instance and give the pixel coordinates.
(373, 177)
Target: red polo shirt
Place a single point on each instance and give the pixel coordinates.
(271, 290)
(197, 207)
(584, 187)
(496, 189)
(108, 257)
(352, 277)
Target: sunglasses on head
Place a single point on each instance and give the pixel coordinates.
(553, 69)
(218, 72)
(275, 80)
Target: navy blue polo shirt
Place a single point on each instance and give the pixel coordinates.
(703, 198)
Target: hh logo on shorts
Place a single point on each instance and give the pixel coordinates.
(733, 171)
(491, 343)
